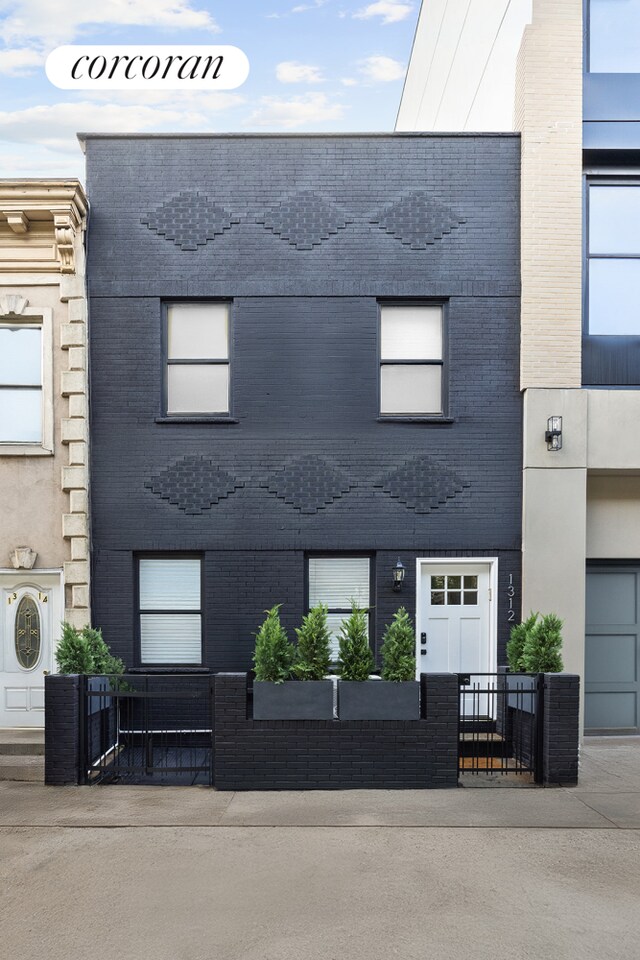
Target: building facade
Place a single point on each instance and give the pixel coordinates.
(44, 545)
(304, 368)
(576, 106)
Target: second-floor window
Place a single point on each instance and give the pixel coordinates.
(20, 383)
(614, 259)
(197, 359)
(411, 360)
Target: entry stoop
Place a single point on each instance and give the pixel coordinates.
(22, 754)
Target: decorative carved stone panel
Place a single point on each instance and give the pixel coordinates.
(193, 484)
(304, 219)
(189, 220)
(308, 483)
(422, 484)
(417, 220)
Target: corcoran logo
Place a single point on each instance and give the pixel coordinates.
(147, 67)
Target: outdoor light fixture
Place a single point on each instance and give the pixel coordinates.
(553, 434)
(398, 575)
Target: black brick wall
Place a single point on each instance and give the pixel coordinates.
(561, 729)
(304, 371)
(62, 723)
(333, 754)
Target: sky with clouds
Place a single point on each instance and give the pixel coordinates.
(316, 65)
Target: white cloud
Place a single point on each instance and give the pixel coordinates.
(55, 126)
(391, 11)
(290, 71)
(51, 23)
(382, 69)
(306, 110)
(348, 81)
(303, 7)
(20, 61)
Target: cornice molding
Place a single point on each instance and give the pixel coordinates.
(61, 202)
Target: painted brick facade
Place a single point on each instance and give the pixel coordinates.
(304, 235)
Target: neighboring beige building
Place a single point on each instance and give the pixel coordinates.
(44, 531)
(580, 342)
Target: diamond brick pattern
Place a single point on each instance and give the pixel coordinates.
(304, 219)
(308, 484)
(190, 220)
(417, 220)
(193, 484)
(422, 484)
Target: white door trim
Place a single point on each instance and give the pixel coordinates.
(492, 564)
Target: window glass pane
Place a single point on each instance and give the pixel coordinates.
(454, 583)
(410, 389)
(471, 582)
(437, 598)
(198, 331)
(170, 639)
(437, 583)
(614, 297)
(470, 598)
(614, 36)
(411, 333)
(614, 219)
(200, 388)
(339, 581)
(453, 598)
(170, 584)
(20, 416)
(20, 356)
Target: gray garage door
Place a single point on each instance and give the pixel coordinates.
(612, 650)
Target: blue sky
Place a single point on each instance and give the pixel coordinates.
(316, 65)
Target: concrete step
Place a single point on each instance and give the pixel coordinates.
(22, 742)
(22, 768)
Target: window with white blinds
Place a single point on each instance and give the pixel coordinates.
(198, 363)
(339, 583)
(411, 360)
(170, 610)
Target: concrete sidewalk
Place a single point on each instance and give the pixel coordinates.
(608, 797)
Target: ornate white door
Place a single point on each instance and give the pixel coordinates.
(30, 616)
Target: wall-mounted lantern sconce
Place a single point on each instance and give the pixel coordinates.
(553, 434)
(398, 575)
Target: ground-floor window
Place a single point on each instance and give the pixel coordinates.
(339, 582)
(170, 610)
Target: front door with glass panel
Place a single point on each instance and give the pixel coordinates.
(30, 614)
(453, 619)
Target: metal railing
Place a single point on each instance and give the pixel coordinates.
(147, 729)
(501, 724)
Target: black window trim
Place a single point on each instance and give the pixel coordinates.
(223, 417)
(345, 555)
(174, 667)
(432, 418)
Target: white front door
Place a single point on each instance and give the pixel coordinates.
(454, 617)
(30, 615)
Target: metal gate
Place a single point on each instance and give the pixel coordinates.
(148, 729)
(501, 724)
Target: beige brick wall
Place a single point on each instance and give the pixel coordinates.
(548, 113)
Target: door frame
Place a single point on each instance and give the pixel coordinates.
(491, 563)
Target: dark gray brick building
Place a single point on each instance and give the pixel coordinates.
(304, 365)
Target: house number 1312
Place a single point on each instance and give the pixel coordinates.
(511, 592)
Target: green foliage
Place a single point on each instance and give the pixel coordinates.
(274, 655)
(84, 651)
(314, 646)
(355, 659)
(516, 642)
(399, 649)
(541, 651)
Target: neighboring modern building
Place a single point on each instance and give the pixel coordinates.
(304, 368)
(44, 565)
(578, 111)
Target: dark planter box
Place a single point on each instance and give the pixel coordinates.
(293, 700)
(378, 700)
(524, 689)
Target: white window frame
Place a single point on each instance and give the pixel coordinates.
(31, 317)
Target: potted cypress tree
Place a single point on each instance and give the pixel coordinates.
(534, 647)
(397, 695)
(276, 694)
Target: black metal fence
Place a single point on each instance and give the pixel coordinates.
(147, 729)
(501, 724)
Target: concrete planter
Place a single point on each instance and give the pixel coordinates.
(293, 700)
(524, 691)
(378, 700)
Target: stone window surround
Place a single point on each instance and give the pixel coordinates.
(43, 317)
